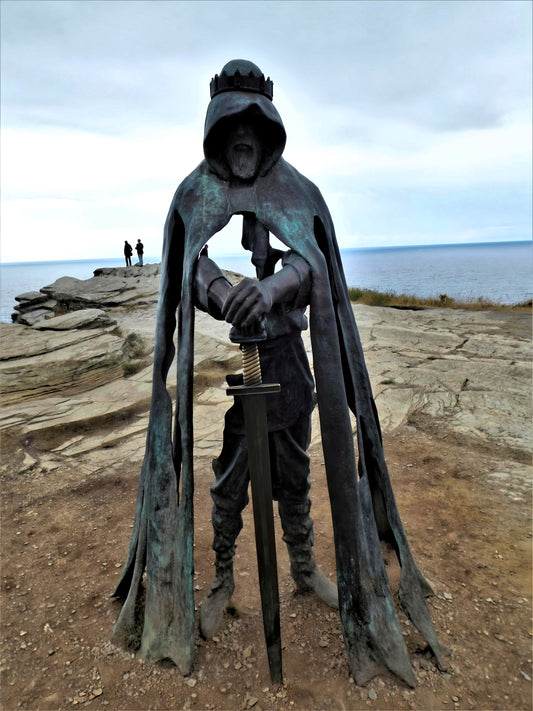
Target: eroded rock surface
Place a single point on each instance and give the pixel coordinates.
(468, 372)
(471, 370)
(130, 287)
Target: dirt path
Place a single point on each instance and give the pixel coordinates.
(64, 539)
(466, 507)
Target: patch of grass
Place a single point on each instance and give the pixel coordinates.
(131, 367)
(370, 297)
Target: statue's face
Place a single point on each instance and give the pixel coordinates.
(243, 150)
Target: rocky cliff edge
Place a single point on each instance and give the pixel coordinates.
(76, 369)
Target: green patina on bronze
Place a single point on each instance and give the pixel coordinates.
(362, 500)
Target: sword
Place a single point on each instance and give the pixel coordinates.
(253, 395)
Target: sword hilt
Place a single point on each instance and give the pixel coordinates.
(251, 364)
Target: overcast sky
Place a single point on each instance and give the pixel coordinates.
(413, 118)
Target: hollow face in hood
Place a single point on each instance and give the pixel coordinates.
(224, 111)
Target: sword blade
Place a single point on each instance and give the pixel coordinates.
(256, 429)
(255, 420)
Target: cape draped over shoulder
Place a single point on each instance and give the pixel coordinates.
(362, 501)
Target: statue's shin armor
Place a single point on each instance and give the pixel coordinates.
(291, 483)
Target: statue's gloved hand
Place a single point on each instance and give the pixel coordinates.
(247, 303)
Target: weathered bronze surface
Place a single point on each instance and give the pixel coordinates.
(255, 419)
(244, 173)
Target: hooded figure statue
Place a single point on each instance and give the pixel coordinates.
(244, 173)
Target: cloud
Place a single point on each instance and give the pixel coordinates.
(77, 195)
(70, 162)
(439, 64)
(103, 106)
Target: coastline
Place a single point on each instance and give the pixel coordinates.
(495, 272)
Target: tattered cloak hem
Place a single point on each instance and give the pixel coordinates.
(362, 501)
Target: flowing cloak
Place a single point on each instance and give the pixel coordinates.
(363, 507)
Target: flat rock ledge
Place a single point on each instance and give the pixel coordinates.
(109, 287)
(75, 372)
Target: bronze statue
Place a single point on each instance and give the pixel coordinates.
(244, 173)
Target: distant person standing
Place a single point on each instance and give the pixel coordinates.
(139, 248)
(128, 251)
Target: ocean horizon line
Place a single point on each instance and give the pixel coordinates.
(235, 254)
(496, 271)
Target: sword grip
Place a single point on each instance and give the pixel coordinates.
(251, 365)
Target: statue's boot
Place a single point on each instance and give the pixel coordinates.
(218, 597)
(310, 578)
(227, 524)
(298, 535)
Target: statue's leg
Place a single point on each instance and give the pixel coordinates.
(230, 496)
(291, 486)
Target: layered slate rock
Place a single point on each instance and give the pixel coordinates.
(468, 372)
(65, 350)
(84, 318)
(109, 287)
(129, 287)
(34, 315)
(30, 297)
(33, 306)
(35, 364)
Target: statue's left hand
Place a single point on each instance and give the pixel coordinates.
(246, 303)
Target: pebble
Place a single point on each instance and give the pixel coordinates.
(372, 694)
(191, 681)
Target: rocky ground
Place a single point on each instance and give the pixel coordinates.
(454, 393)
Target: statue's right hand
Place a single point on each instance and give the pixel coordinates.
(246, 303)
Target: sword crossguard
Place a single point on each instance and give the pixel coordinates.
(246, 390)
(251, 374)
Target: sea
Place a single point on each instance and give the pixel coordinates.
(501, 272)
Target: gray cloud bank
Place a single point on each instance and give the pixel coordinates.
(410, 116)
(442, 65)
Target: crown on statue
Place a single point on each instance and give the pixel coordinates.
(242, 81)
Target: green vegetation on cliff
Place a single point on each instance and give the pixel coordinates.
(371, 297)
